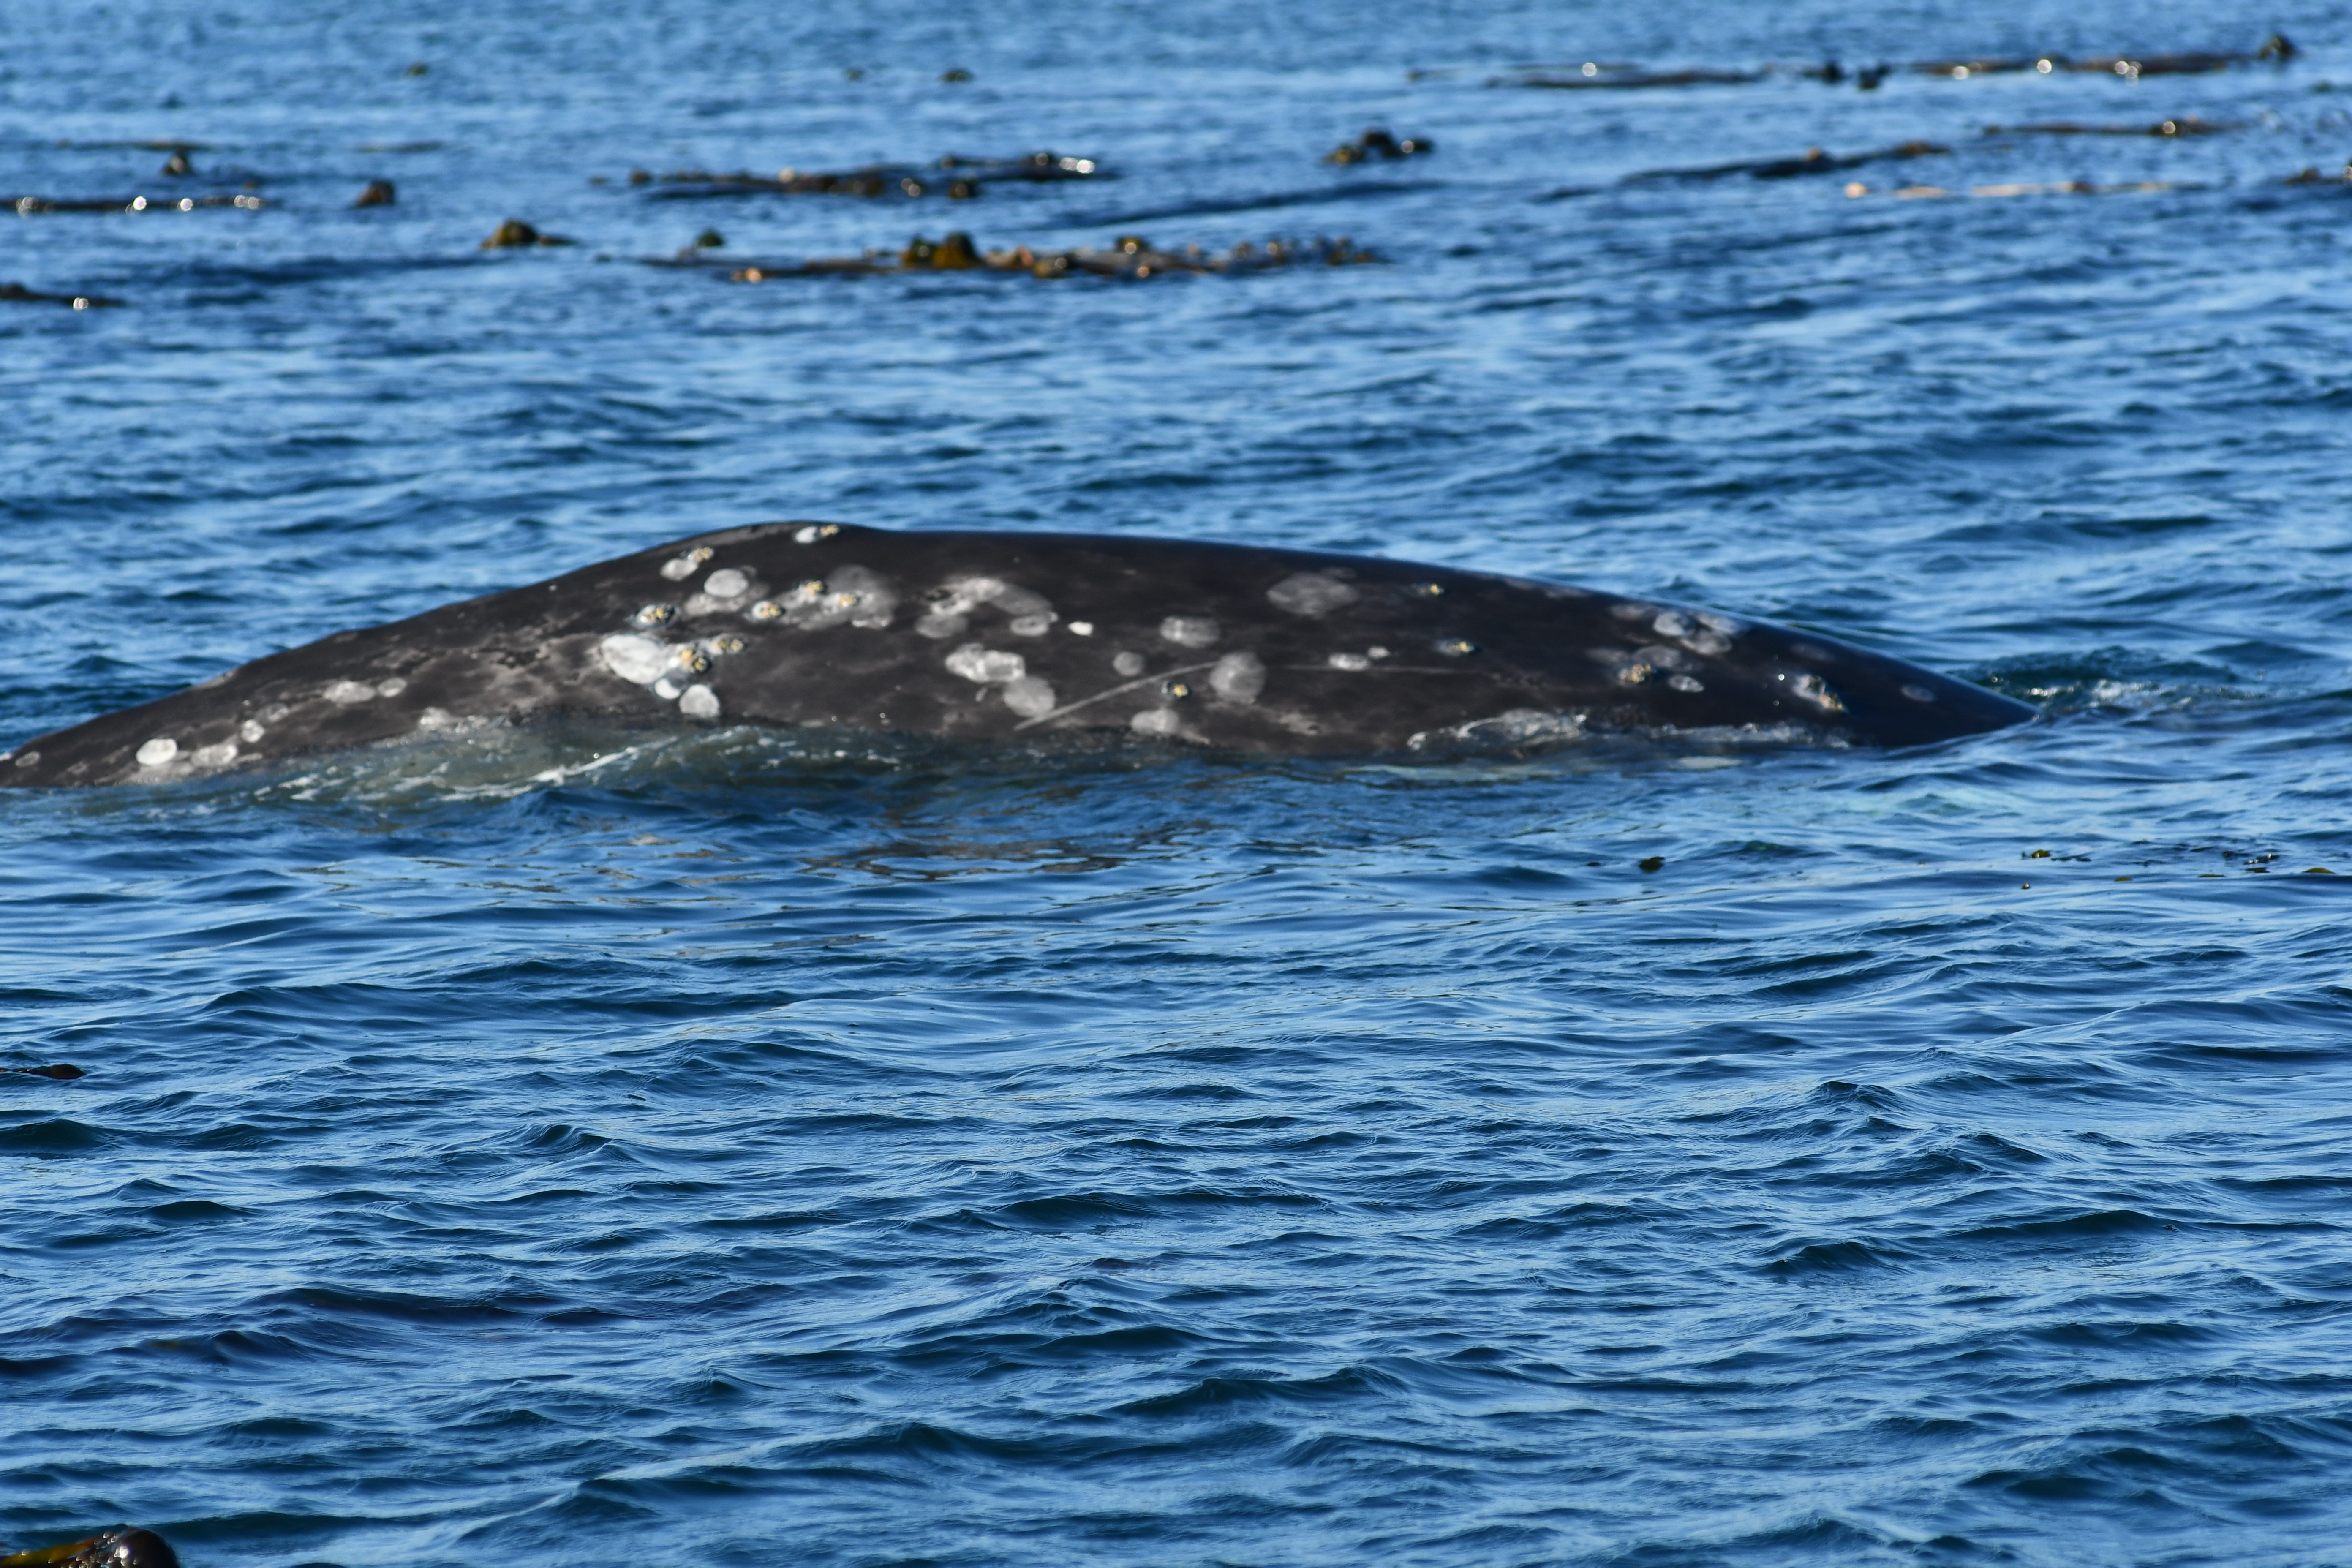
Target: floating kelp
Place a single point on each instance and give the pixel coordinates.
(2189, 125)
(955, 177)
(2276, 49)
(2008, 65)
(27, 206)
(17, 294)
(1129, 256)
(1034, 168)
(379, 194)
(2312, 176)
(1593, 75)
(1378, 144)
(1813, 161)
(131, 1547)
(515, 234)
(154, 144)
(2056, 188)
(1598, 75)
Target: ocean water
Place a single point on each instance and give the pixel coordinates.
(753, 1148)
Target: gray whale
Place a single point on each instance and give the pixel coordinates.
(1013, 637)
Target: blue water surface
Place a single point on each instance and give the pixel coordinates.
(751, 1148)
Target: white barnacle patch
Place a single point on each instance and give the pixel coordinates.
(217, 756)
(638, 659)
(1816, 690)
(1633, 674)
(718, 646)
(434, 719)
(1238, 678)
(1128, 662)
(1633, 611)
(814, 531)
(1312, 593)
(1685, 683)
(1348, 661)
(1709, 643)
(986, 666)
(1082, 629)
(866, 598)
(1191, 631)
(1018, 602)
(251, 731)
(1812, 653)
(347, 692)
(1673, 624)
(1029, 696)
(947, 609)
(961, 595)
(1376, 651)
(1916, 693)
(155, 753)
(698, 701)
(853, 595)
(1663, 657)
(1155, 722)
(679, 568)
(27, 758)
(656, 615)
(1722, 626)
(724, 591)
(391, 687)
(1455, 647)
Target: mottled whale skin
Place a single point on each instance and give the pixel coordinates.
(1013, 637)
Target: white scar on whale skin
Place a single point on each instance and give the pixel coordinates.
(1312, 593)
(1191, 631)
(637, 659)
(986, 666)
(1238, 678)
(1029, 696)
(1113, 691)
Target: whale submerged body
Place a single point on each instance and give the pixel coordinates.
(1015, 636)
